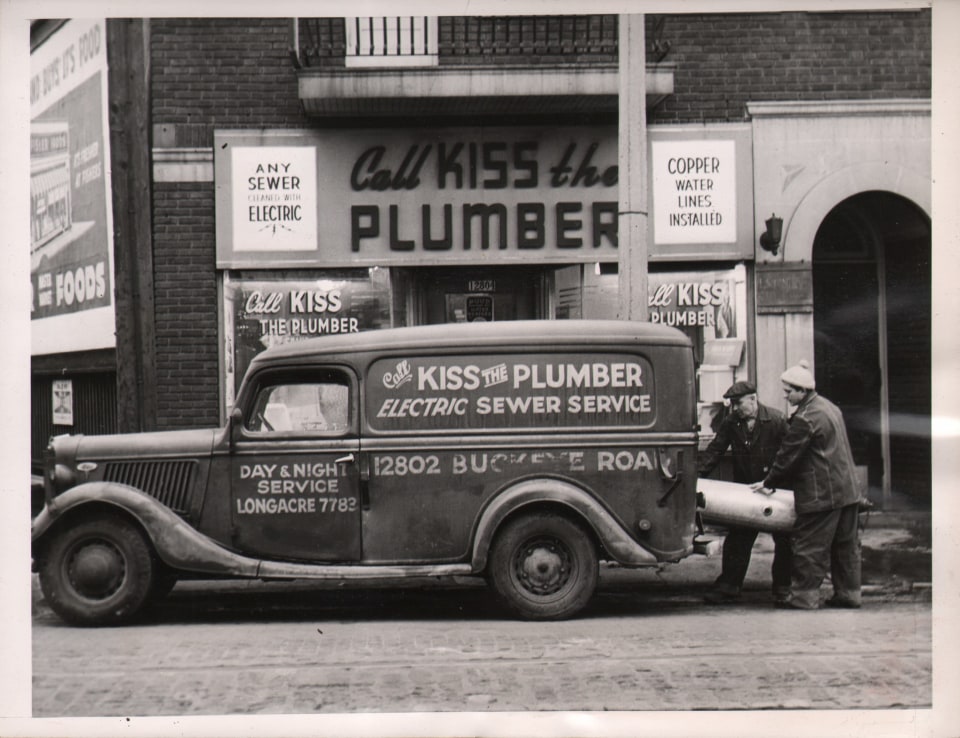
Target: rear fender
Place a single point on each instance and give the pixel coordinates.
(611, 534)
(176, 543)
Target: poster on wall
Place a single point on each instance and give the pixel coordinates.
(63, 402)
(261, 312)
(710, 306)
(71, 248)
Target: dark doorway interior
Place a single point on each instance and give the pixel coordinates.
(871, 277)
(468, 294)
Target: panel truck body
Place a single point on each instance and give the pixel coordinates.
(525, 452)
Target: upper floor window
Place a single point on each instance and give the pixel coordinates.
(391, 41)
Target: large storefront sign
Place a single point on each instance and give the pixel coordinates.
(71, 248)
(269, 310)
(464, 196)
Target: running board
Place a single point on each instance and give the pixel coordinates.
(284, 570)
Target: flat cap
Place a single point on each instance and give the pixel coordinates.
(739, 389)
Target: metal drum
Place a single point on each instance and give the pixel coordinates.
(731, 504)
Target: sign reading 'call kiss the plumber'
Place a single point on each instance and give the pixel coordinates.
(501, 195)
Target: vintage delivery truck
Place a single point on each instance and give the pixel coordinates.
(524, 452)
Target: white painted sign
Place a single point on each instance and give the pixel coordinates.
(694, 192)
(274, 198)
(62, 402)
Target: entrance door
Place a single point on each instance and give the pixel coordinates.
(871, 278)
(466, 295)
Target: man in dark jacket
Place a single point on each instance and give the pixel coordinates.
(816, 462)
(753, 432)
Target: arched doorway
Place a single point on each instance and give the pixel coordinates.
(871, 293)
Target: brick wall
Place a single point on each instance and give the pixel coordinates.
(185, 292)
(206, 74)
(223, 73)
(725, 60)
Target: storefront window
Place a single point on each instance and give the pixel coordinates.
(709, 305)
(264, 309)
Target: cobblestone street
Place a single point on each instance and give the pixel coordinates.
(400, 650)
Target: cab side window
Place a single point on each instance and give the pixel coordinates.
(302, 406)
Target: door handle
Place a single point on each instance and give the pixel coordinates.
(348, 459)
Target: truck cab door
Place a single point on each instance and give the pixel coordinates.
(294, 466)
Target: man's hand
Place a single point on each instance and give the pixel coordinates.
(759, 488)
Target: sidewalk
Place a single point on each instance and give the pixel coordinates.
(896, 555)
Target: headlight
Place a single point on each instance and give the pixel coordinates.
(62, 477)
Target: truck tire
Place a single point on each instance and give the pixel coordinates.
(543, 567)
(97, 572)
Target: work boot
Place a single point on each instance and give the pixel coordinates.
(781, 596)
(722, 594)
(842, 603)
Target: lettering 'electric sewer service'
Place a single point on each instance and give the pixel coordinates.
(521, 391)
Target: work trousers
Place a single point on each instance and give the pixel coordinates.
(822, 541)
(737, 547)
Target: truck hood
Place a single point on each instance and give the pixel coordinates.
(158, 444)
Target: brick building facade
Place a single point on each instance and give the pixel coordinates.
(770, 85)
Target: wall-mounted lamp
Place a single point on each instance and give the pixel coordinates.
(770, 238)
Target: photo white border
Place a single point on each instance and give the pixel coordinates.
(15, 666)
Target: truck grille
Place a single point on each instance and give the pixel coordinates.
(169, 482)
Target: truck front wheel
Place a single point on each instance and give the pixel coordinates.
(543, 567)
(97, 572)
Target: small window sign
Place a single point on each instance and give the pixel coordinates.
(479, 308)
(63, 402)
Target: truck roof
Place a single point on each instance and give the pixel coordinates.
(517, 333)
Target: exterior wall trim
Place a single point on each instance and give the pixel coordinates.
(838, 108)
(183, 165)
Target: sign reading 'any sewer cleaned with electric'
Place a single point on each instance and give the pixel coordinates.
(523, 391)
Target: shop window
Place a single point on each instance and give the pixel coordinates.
(709, 305)
(264, 309)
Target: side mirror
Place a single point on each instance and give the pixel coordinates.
(236, 425)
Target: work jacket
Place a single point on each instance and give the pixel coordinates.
(752, 451)
(815, 460)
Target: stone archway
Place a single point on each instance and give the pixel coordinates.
(800, 230)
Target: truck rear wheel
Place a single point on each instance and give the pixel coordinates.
(97, 572)
(543, 567)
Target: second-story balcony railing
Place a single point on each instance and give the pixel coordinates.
(464, 66)
(456, 40)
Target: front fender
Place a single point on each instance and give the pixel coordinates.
(176, 543)
(615, 539)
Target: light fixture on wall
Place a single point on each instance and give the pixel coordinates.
(770, 238)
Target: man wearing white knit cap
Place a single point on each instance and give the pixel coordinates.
(816, 462)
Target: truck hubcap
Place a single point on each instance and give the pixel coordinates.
(543, 566)
(96, 570)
